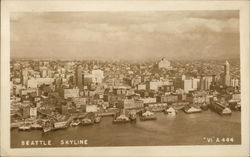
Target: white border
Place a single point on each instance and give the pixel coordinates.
(38, 6)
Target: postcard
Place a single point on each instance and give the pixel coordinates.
(125, 78)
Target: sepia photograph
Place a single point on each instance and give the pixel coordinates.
(126, 78)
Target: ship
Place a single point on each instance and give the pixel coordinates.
(226, 111)
(132, 115)
(170, 111)
(121, 119)
(192, 110)
(97, 119)
(47, 129)
(86, 121)
(47, 126)
(24, 127)
(75, 123)
(147, 116)
(36, 126)
(204, 106)
(60, 125)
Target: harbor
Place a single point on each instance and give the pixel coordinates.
(120, 116)
(182, 128)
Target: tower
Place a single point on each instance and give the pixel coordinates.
(79, 77)
(227, 80)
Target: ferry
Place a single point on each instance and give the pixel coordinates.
(204, 106)
(36, 126)
(75, 123)
(97, 119)
(226, 111)
(121, 119)
(147, 116)
(60, 125)
(132, 116)
(48, 126)
(47, 129)
(234, 105)
(170, 111)
(86, 121)
(238, 106)
(24, 127)
(192, 110)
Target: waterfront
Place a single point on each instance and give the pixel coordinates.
(182, 129)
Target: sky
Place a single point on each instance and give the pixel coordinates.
(125, 35)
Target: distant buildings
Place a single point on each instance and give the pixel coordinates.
(70, 93)
(130, 104)
(91, 108)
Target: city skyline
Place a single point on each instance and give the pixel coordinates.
(126, 35)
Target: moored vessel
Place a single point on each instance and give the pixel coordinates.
(132, 115)
(36, 126)
(147, 116)
(192, 110)
(87, 121)
(24, 127)
(75, 123)
(170, 111)
(97, 119)
(204, 106)
(121, 119)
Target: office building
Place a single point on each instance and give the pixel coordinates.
(79, 77)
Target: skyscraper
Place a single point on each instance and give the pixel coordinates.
(227, 80)
(79, 77)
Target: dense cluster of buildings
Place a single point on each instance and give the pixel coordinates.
(45, 89)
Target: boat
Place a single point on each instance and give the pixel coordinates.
(36, 126)
(234, 105)
(204, 107)
(155, 109)
(97, 119)
(226, 111)
(170, 111)
(24, 127)
(48, 126)
(121, 119)
(86, 121)
(75, 123)
(60, 125)
(238, 106)
(192, 110)
(47, 129)
(147, 116)
(132, 116)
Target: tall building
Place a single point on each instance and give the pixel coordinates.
(205, 82)
(98, 75)
(227, 80)
(79, 77)
(25, 77)
(190, 84)
(164, 64)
